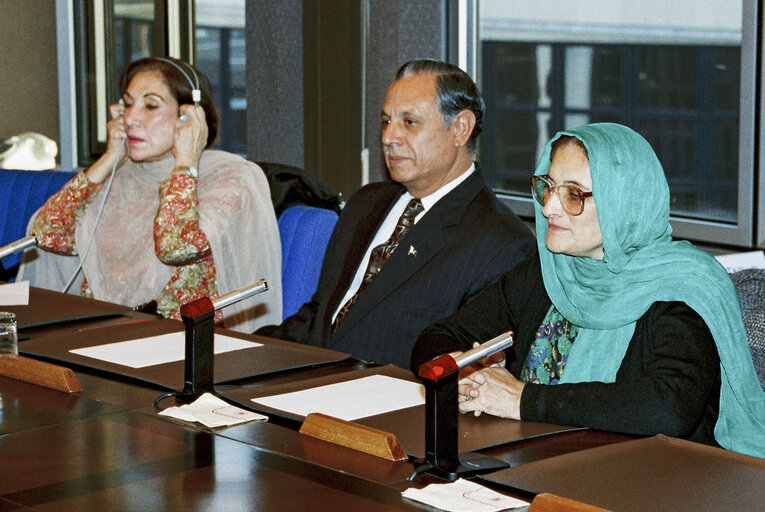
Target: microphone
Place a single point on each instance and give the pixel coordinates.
(440, 378)
(198, 317)
(446, 364)
(17, 246)
(488, 348)
(241, 294)
(197, 309)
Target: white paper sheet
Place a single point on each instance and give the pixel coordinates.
(350, 400)
(212, 412)
(154, 350)
(463, 496)
(14, 294)
(742, 261)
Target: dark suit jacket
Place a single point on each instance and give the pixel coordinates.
(460, 246)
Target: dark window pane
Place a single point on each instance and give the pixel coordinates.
(512, 63)
(220, 54)
(676, 96)
(724, 176)
(208, 53)
(727, 70)
(606, 66)
(237, 57)
(133, 31)
(667, 77)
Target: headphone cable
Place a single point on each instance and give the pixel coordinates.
(98, 218)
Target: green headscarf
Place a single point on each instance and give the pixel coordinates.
(642, 265)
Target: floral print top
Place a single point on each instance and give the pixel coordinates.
(549, 352)
(178, 239)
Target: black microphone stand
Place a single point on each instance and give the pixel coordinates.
(199, 318)
(440, 378)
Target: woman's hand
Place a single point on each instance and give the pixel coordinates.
(116, 146)
(492, 390)
(467, 384)
(190, 136)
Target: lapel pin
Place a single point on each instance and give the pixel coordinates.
(412, 251)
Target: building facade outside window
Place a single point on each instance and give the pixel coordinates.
(670, 70)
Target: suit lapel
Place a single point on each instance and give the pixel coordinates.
(425, 240)
(365, 230)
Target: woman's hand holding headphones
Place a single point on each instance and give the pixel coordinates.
(190, 136)
(116, 146)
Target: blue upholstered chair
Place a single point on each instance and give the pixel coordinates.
(305, 231)
(21, 194)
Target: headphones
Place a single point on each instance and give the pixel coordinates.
(196, 93)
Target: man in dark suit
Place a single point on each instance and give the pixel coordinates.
(407, 252)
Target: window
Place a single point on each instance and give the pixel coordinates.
(685, 83)
(220, 55)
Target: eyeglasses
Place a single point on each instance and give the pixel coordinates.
(570, 197)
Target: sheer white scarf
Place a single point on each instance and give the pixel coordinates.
(235, 213)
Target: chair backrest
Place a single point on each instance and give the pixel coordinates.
(21, 194)
(305, 231)
(750, 287)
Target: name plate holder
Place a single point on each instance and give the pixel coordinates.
(353, 435)
(40, 373)
(552, 503)
(31, 370)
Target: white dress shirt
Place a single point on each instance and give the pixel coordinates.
(389, 224)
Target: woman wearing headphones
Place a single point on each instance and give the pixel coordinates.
(181, 221)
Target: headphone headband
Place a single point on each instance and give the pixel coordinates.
(196, 94)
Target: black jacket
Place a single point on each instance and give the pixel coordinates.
(668, 382)
(460, 246)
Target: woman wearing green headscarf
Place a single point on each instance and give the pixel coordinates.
(617, 326)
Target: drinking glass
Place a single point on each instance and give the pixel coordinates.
(9, 342)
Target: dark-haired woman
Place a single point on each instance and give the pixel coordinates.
(180, 222)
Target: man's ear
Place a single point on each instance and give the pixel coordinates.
(462, 127)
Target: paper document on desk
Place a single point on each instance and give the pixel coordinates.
(463, 496)
(14, 294)
(212, 412)
(352, 399)
(165, 348)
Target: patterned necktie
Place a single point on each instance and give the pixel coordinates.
(381, 253)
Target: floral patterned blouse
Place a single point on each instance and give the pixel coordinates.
(178, 238)
(549, 351)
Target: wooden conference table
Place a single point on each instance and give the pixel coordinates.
(106, 448)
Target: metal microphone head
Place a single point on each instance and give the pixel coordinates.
(241, 294)
(17, 246)
(486, 349)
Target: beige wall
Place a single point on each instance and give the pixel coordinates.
(28, 69)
